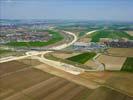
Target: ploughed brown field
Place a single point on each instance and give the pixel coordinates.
(14, 66)
(121, 52)
(119, 81)
(33, 84)
(111, 62)
(20, 81)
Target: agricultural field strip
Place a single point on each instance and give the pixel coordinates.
(68, 76)
(71, 94)
(118, 90)
(113, 88)
(91, 76)
(22, 80)
(91, 84)
(2, 51)
(114, 55)
(50, 88)
(128, 65)
(111, 62)
(54, 90)
(46, 83)
(82, 58)
(60, 92)
(23, 69)
(118, 52)
(2, 94)
(101, 83)
(109, 34)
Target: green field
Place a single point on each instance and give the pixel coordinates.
(82, 33)
(82, 58)
(55, 38)
(4, 51)
(113, 34)
(128, 65)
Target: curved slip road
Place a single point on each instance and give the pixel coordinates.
(63, 66)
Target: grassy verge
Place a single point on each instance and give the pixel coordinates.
(55, 38)
(112, 34)
(128, 65)
(82, 58)
(5, 51)
(51, 57)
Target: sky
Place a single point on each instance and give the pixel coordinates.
(116, 10)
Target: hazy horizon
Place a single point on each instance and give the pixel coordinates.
(108, 10)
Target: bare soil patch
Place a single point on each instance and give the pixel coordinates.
(111, 63)
(126, 52)
(11, 66)
(84, 39)
(130, 32)
(64, 55)
(120, 81)
(91, 63)
(104, 93)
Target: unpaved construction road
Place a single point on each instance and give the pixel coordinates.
(72, 69)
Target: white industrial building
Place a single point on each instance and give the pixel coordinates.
(87, 46)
